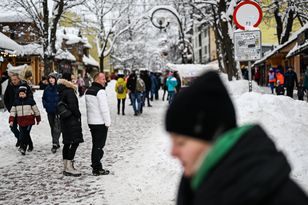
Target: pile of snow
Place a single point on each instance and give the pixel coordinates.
(31, 49)
(12, 17)
(191, 70)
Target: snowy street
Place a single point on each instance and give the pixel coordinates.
(137, 153)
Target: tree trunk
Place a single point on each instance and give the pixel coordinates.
(45, 37)
(101, 63)
(288, 28)
(278, 21)
(217, 40)
(227, 44)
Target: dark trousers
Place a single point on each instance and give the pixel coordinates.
(123, 105)
(99, 136)
(55, 127)
(290, 91)
(25, 137)
(15, 130)
(146, 96)
(69, 151)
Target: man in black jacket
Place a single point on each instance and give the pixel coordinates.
(10, 95)
(290, 79)
(224, 163)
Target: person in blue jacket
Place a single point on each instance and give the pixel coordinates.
(171, 86)
(50, 101)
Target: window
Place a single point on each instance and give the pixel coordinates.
(200, 40)
(205, 33)
(205, 50)
(200, 56)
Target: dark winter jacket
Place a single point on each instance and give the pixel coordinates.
(280, 90)
(50, 99)
(26, 111)
(146, 78)
(11, 93)
(70, 126)
(251, 172)
(131, 83)
(290, 78)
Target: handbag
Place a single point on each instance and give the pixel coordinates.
(63, 110)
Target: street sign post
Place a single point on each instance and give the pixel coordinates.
(247, 43)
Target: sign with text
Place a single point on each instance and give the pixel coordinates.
(247, 45)
(247, 14)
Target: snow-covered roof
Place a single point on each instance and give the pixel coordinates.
(297, 48)
(65, 55)
(7, 43)
(291, 39)
(12, 17)
(71, 35)
(32, 49)
(90, 61)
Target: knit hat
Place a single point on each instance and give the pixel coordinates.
(22, 89)
(203, 111)
(67, 76)
(53, 75)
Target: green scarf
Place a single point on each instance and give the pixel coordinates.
(221, 147)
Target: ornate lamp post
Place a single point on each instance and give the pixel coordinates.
(161, 23)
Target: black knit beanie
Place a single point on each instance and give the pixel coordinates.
(67, 76)
(204, 110)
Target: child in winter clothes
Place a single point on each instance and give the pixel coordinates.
(26, 111)
(300, 91)
(279, 88)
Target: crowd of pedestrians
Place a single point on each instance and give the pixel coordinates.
(60, 102)
(285, 83)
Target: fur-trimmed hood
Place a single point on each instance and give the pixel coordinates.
(67, 84)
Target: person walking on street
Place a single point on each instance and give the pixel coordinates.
(121, 90)
(225, 163)
(271, 79)
(290, 79)
(171, 85)
(50, 101)
(98, 120)
(70, 118)
(24, 109)
(10, 95)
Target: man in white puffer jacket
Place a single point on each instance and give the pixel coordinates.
(98, 120)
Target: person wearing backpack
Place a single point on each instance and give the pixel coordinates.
(121, 90)
(171, 86)
(140, 89)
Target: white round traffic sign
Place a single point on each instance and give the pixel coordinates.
(247, 14)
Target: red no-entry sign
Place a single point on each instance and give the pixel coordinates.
(247, 14)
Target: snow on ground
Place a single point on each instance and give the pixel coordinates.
(137, 153)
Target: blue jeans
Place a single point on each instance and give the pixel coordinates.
(171, 95)
(136, 98)
(15, 130)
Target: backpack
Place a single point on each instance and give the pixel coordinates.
(140, 86)
(120, 89)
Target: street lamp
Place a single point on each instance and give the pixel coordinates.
(161, 23)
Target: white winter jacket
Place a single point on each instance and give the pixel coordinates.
(97, 106)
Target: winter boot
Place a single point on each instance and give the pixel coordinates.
(22, 150)
(97, 172)
(70, 171)
(65, 165)
(54, 148)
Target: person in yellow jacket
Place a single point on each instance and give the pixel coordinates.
(121, 90)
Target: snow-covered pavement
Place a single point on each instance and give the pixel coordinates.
(137, 153)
